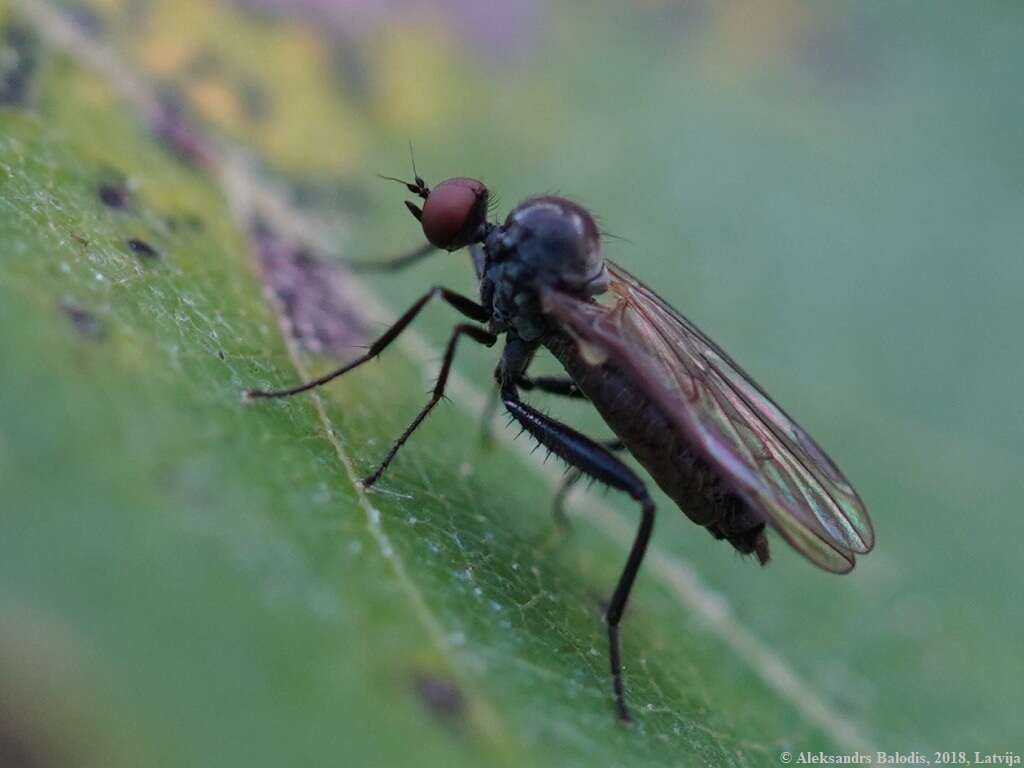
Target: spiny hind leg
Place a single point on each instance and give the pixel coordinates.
(596, 461)
(561, 386)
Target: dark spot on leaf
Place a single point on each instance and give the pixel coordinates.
(83, 320)
(179, 132)
(19, 59)
(220, 353)
(113, 195)
(442, 698)
(314, 297)
(143, 250)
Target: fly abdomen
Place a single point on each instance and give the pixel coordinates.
(655, 442)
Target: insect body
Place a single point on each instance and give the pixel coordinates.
(709, 436)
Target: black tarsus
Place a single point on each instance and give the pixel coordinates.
(394, 264)
(463, 304)
(621, 596)
(596, 461)
(475, 332)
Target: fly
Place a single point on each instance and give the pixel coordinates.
(709, 436)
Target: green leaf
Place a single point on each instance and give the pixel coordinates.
(189, 579)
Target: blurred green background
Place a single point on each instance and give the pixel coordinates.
(835, 192)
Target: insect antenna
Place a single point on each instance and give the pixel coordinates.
(417, 186)
(415, 173)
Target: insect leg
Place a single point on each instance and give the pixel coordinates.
(463, 304)
(474, 332)
(596, 461)
(565, 387)
(556, 386)
(515, 359)
(395, 264)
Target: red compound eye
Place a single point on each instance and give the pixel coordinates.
(453, 212)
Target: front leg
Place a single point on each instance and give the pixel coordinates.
(463, 304)
(477, 334)
(593, 459)
(480, 335)
(393, 264)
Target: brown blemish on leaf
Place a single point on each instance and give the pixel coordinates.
(313, 296)
(113, 195)
(84, 321)
(442, 698)
(174, 127)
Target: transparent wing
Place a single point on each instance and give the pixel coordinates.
(766, 457)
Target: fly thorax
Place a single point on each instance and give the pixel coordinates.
(546, 242)
(515, 299)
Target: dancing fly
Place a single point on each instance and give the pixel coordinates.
(710, 437)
